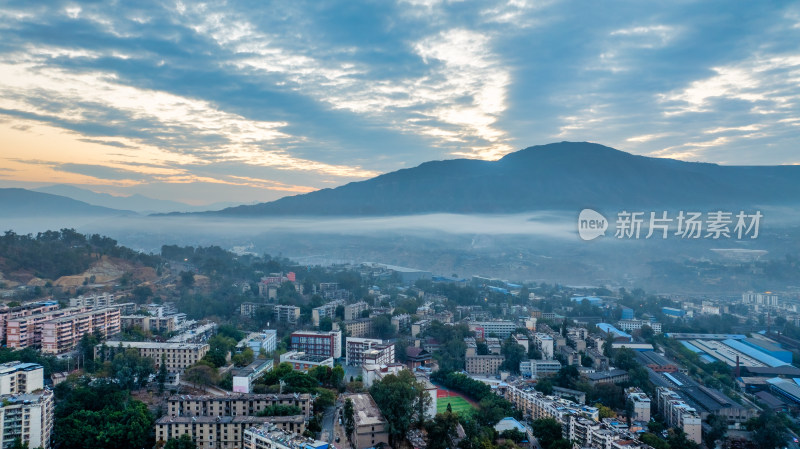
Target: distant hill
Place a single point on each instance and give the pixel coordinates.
(22, 203)
(136, 202)
(558, 176)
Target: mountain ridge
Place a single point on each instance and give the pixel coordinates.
(557, 176)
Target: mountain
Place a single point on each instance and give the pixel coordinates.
(22, 203)
(557, 176)
(136, 202)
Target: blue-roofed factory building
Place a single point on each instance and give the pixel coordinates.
(618, 334)
(673, 312)
(769, 348)
(593, 300)
(754, 353)
(627, 313)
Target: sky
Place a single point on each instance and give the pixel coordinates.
(249, 101)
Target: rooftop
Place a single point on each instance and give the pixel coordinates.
(366, 411)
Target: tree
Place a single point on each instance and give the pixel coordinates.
(382, 327)
(422, 401)
(442, 431)
(547, 431)
(161, 378)
(184, 442)
(201, 374)
(514, 354)
(349, 420)
(605, 412)
(544, 386)
(187, 279)
(325, 324)
(769, 430)
(244, 358)
(654, 441)
(394, 396)
(718, 427)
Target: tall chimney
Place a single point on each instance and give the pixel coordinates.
(738, 371)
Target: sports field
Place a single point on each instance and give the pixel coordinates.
(457, 403)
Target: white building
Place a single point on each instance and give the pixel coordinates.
(269, 436)
(301, 361)
(266, 340)
(641, 404)
(677, 413)
(538, 368)
(18, 378)
(545, 344)
(28, 417)
(325, 311)
(243, 378)
(632, 325)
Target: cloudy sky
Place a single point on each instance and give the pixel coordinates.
(253, 100)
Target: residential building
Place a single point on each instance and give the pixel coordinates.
(539, 368)
(354, 311)
(360, 327)
(375, 373)
(243, 378)
(286, 313)
(95, 300)
(678, 413)
(419, 327)
(484, 364)
(221, 432)
(326, 344)
(641, 404)
(401, 323)
(545, 344)
(33, 308)
(266, 340)
(20, 378)
(269, 436)
(301, 361)
(235, 404)
(28, 417)
(761, 299)
(355, 348)
(522, 340)
(371, 427)
(325, 311)
(178, 356)
(500, 328)
(249, 309)
(195, 332)
(26, 331)
(60, 335)
(149, 323)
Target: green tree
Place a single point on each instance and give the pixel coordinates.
(442, 431)
(349, 420)
(201, 374)
(394, 396)
(769, 430)
(544, 386)
(187, 279)
(514, 354)
(184, 442)
(718, 427)
(547, 431)
(161, 378)
(422, 401)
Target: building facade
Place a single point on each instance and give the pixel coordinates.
(326, 344)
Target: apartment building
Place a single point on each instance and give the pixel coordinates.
(355, 348)
(19, 378)
(34, 308)
(285, 313)
(401, 323)
(327, 344)
(503, 329)
(267, 340)
(371, 427)
(354, 311)
(677, 413)
(641, 404)
(484, 364)
(272, 437)
(96, 301)
(243, 378)
(545, 344)
(535, 405)
(539, 368)
(63, 334)
(235, 404)
(28, 417)
(26, 331)
(149, 323)
(178, 356)
(360, 327)
(221, 432)
(249, 309)
(325, 311)
(301, 361)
